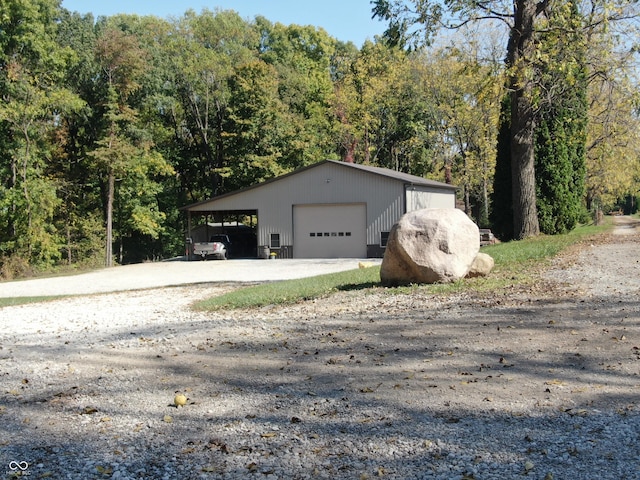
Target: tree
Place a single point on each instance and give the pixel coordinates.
(258, 127)
(561, 129)
(613, 131)
(501, 215)
(464, 94)
(382, 103)
(123, 150)
(301, 57)
(613, 140)
(79, 217)
(204, 51)
(32, 68)
(520, 49)
(523, 20)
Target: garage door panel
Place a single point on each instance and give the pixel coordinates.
(329, 231)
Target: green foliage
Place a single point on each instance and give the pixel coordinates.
(561, 131)
(108, 127)
(501, 216)
(33, 66)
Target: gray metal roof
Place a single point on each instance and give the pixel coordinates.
(404, 177)
(385, 172)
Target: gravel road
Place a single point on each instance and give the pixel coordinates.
(536, 383)
(175, 273)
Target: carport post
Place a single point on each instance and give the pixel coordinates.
(189, 239)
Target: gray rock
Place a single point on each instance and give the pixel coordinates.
(434, 245)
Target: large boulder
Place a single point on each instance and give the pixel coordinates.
(433, 245)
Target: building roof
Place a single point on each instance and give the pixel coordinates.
(404, 177)
(385, 172)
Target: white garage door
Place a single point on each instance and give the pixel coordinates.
(330, 231)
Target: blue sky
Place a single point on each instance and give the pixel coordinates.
(346, 20)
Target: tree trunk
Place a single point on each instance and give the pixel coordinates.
(109, 240)
(521, 48)
(525, 215)
(485, 201)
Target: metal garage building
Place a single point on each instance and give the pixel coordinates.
(327, 210)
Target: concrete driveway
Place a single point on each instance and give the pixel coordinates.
(173, 273)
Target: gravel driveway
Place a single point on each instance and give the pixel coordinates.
(536, 383)
(173, 273)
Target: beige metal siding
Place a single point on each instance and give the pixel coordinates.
(386, 199)
(328, 183)
(419, 197)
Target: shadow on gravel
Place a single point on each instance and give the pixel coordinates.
(466, 390)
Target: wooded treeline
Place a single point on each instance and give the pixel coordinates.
(108, 126)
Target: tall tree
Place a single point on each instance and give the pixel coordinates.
(561, 131)
(520, 51)
(301, 57)
(31, 71)
(204, 50)
(522, 18)
(613, 131)
(123, 150)
(382, 104)
(501, 215)
(464, 93)
(79, 217)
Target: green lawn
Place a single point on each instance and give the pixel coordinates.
(11, 301)
(516, 262)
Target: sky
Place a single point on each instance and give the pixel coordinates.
(346, 20)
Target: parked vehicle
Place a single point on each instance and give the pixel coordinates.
(218, 247)
(486, 237)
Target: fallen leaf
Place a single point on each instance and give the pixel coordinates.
(555, 381)
(104, 470)
(167, 419)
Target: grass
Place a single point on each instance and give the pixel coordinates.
(12, 301)
(292, 291)
(516, 262)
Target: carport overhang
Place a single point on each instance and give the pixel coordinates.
(216, 215)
